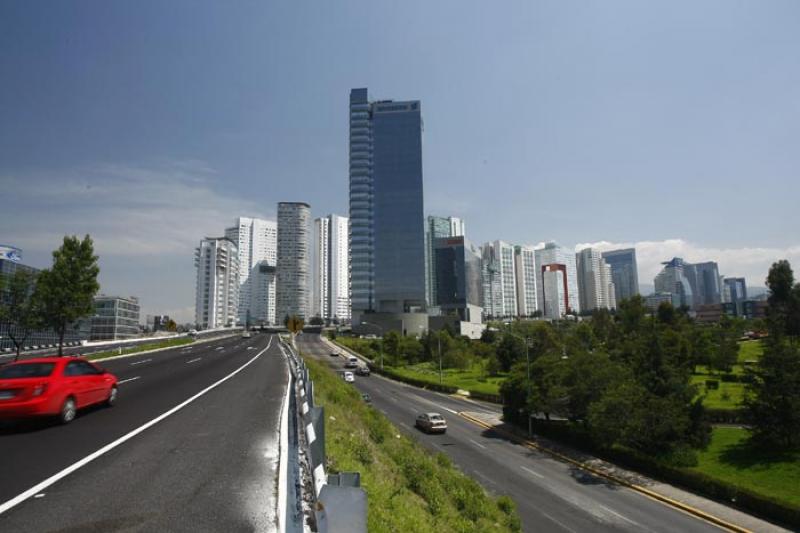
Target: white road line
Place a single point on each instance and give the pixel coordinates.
(127, 380)
(140, 362)
(190, 361)
(528, 470)
(478, 444)
(559, 522)
(36, 489)
(612, 511)
(425, 400)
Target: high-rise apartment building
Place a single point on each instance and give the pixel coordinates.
(499, 280)
(595, 285)
(293, 291)
(330, 287)
(624, 273)
(387, 244)
(257, 242)
(437, 228)
(734, 291)
(217, 288)
(692, 284)
(705, 280)
(557, 284)
(525, 272)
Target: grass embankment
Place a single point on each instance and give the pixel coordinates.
(407, 488)
(167, 343)
(729, 394)
(730, 458)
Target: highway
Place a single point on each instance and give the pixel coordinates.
(205, 457)
(550, 495)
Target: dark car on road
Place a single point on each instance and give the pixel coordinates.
(362, 371)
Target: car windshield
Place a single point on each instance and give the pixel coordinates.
(437, 418)
(27, 370)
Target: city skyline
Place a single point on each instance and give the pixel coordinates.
(587, 99)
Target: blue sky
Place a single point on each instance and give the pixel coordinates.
(674, 126)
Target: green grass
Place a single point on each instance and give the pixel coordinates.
(141, 348)
(730, 458)
(729, 395)
(472, 379)
(407, 488)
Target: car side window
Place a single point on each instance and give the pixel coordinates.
(73, 369)
(89, 369)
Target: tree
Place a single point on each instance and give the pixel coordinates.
(783, 311)
(726, 349)
(66, 291)
(316, 321)
(510, 350)
(294, 324)
(171, 325)
(18, 307)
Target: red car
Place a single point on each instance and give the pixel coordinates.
(53, 386)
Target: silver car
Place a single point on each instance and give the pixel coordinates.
(431, 423)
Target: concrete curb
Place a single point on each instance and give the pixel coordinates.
(154, 350)
(642, 490)
(284, 457)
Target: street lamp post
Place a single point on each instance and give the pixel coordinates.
(528, 345)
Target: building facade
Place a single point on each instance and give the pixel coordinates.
(257, 242)
(525, 272)
(705, 281)
(499, 280)
(624, 272)
(293, 291)
(387, 243)
(217, 287)
(734, 291)
(595, 285)
(557, 281)
(115, 318)
(458, 274)
(673, 280)
(437, 228)
(330, 286)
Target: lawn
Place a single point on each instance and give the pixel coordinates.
(408, 488)
(729, 395)
(472, 379)
(730, 459)
(167, 343)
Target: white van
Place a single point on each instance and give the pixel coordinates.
(352, 362)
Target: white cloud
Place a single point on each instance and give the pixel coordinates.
(751, 263)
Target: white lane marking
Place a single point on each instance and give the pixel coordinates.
(40, 495)
(478, 444)
(528, 470)
(559, 523)
(127, 380)
(612, 511)
(190, 361)
(221, 347)
(425, 400)
(16, 500)
(140, 362)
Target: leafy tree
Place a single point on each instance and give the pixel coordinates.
(631, 314)
(391, 345)
(316, 321)
(702, 344)
(171, 325)
(489, 336)
(783, 312)
(66, 291)
(548, 394)
(666, 314)
(510, 350)
(726, 349)
(18, 307)
(294, 324)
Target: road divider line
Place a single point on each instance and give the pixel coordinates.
(140, 362)
(127, 380)
(528, 470)
(478, 444)
(196, 359)
(36, 489)
(688, 509)
(559, 523)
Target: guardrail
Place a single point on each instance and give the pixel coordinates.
(337, 500)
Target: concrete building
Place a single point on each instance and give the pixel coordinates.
(499, 280)
(387, 243)
(595, 285)
(458, 276)
(734, 291)
(557, 283)
(437, 228)
(257, 242)
(526, 273)
(624, 272)
(652, 301)
(115, 318)
(705, 281)
(329, 258)
(673, 280)
(217, 287)
(293, 292)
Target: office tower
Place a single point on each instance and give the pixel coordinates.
(525, 271)
(437, 228)
(734, 292)
(704, 278)
(673, 280)
(330, 290)
(115, 318)
(595, 285)
(257, 242)
(557, 284)
(387, 243)
(624, 273)
(217, 288)
(458, 276)
(499, 280)
(293, 294)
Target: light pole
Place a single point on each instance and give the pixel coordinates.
(528, 345)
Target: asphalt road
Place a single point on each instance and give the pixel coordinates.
(210, 465)
(550, 495)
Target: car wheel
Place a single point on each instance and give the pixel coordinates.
(68, 411)
(112, 396)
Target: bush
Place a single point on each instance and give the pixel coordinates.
(712, 384)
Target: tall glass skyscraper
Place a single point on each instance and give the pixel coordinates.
(624, 272)
(387, 244)
(437, 228)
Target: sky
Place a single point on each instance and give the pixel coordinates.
(672, 126)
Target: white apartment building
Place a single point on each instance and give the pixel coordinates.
(217, 288)
(525, 272)
(499, 279)
(595, 284)
(257, 241)
(293, 291)
(330, 259)
(557, 282)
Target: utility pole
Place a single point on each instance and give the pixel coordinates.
(528, 343)
(439, 341)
